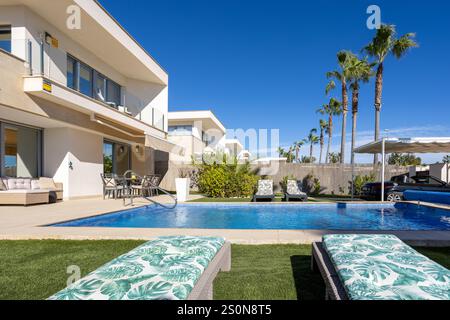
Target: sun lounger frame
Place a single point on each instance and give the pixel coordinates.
(203, 289)
(301, 197)
(320, 261)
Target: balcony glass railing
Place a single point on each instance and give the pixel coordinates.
(52, 62)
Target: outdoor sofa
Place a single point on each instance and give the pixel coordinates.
(377, 267)
(27, 191)
(168, 268)
(293, 192)
(265, 191)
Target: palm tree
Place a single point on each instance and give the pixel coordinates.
(342, 75)
(323, 129)
(290, 154)
(332, 109)
(312, 140)
(384, 43)
(297, 146)
(360, 70)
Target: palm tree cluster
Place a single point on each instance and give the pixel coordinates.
(354, 70)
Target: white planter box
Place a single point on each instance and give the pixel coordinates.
(182, 186)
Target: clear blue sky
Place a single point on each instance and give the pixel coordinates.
(262, 64)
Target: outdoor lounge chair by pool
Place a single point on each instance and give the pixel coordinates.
(293, 192)
(377, 267)
(168, 268)
(265, 191)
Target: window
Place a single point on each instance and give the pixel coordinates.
(20, 151)
(116, 157)
(113, 92)
(72, 73)
(100, 87)
(86, 80)
(180, 130)
(207, 139)
(5, 38)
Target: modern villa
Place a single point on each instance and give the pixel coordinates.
(201, 133)
(105, 194)
(72, 99)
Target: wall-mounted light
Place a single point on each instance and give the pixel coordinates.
(138, 148)
(121, 149)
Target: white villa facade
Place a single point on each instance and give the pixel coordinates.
(75, 103)
(201, 133)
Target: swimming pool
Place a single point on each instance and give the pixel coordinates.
(276, 217)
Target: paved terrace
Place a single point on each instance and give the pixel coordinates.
(24, 223)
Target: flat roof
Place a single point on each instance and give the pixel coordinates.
(196, 115)
(407, 145)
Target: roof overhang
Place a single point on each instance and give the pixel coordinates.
(407, 145)
(207, 117)
(234, 142)
(102, 35)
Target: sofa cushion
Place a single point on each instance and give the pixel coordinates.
(35, 184)
(2, 185)
(19, 183)
(47, 183)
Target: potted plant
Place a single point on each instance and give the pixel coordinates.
(183, 184)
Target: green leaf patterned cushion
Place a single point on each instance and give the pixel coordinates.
(164, 269)
(382, 267)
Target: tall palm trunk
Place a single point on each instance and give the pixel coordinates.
(378, 95)
(322, 142)
(311, 149)
(330, 137)
(344, 118)
(297, 150)
(355, 102)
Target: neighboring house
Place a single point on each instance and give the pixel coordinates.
(235, 149)
(199, 132)
(77, 103)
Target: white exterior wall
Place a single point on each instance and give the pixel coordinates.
(77, 165)
(440, 171)
(139, 96)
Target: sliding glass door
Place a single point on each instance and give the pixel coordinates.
(20, 151)
(116, 157)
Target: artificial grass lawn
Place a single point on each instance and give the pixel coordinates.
(37, 269)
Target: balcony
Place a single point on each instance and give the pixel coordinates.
(46, 78)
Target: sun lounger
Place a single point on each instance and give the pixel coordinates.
(377, 267)
(265, 191)
(293, 192)
(169, 268)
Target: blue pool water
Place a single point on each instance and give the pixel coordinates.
(287, 217)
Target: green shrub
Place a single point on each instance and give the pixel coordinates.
(359, 181)
(284, 181)
(222, 180)
(311, 185)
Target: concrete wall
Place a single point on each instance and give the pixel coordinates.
(333, 178)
